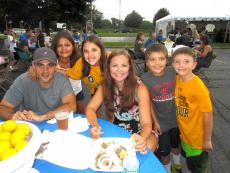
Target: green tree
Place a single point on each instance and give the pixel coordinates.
(32, 11)
(115, 22)
(133, 20)
(97, 17)
(106, 23)
(160, 14)
(146, 25)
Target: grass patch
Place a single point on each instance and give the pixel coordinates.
(3, 36)
(131, 45)
(111, 33)
(119, 44)
(221, 45)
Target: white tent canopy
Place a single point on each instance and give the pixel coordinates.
(169, 22)
(172, 17)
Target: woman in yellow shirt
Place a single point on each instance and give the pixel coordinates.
(90, 67)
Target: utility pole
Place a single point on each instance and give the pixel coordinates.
(119, 14)
(6, 22)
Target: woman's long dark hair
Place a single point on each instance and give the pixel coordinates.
(128, 92)
(86, 65)
(66, 34)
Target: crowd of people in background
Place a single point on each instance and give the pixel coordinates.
(31, 39)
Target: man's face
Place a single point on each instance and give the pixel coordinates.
(153, 35)
(45, 71)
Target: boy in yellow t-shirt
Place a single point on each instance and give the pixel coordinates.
(194, 111)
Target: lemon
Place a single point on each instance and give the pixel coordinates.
(24, 127)
(5, 135)
(17, 135)
(20, 144)
(7, 153)
(9, 125)
(4, 145)
(1, 127)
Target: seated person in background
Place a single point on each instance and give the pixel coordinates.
(195, 38)
(50, 93)
(152, 39)
(139, 46)
(160, 36)
(205, 54)
(126, 100)
(77, 36)
(24, 45)
(185, 39)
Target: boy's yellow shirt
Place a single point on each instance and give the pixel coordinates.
(92, 80)
(192, 100)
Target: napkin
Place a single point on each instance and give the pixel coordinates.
(68, 149)
(77, 124)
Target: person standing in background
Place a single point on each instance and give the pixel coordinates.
(12, 42)
(40, 42)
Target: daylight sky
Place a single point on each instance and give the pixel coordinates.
(147, 8)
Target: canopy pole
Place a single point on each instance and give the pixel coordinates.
(227, 32)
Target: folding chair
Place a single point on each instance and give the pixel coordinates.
(139, 65)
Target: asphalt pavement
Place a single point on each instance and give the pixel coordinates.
(217, 79)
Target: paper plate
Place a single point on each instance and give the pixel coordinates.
(69, 150)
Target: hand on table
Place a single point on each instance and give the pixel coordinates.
(95, 132)
(140, 143)
(28, 116)
(20, 115)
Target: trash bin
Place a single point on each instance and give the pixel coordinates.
(4, 45)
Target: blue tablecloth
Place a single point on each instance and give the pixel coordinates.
(148, 162)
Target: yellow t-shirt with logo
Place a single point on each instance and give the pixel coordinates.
(192, 100)
(94, 78)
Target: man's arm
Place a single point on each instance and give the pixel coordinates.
(68, 104)
(6, 110)
(208, 123)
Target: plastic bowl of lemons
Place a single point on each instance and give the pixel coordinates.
(19, 141)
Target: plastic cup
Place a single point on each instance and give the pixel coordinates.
(62, 118)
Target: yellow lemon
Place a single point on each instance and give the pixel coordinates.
(17, 135)
(24, 127)
(4, 145)
(20, 144)
(5, 135)
(9, 152)
(1, 127)
(9, 125)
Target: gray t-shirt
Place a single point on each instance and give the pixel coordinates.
(27, 94)
(161, 89)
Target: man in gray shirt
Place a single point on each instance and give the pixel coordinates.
(48, 94)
